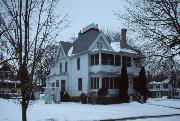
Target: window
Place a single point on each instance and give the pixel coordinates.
(158, 86)
(117, 60)
(150, 86)
(63, 85)
(95, 59)
(110, 82)
(78, 63)
(126, 61)
(116, 80)
(60, 66)
(57, 83)
(99, 45)
(107, 82)
(107, 59)
(92, 59)
(136, 62)
(79, 84)
(95, 83)
(103, 83)
(66, 66)
(53, 84)
(165, 86)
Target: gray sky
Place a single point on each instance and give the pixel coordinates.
(85, 12)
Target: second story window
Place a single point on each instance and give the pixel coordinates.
(57, 83)
(78, 63)
(107, 59)
(136, 62)
(126, 61)
(66, 66)
(117, 60)
(165, 86)
(95, 59)
(60, 66)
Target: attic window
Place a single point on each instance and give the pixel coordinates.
(99, 45)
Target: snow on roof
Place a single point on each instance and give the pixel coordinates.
(10, 81)
(117, 48)
(162, 82)
(70, 51)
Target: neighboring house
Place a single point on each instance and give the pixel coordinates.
(91, 62)
(160, 89)
(8, 85)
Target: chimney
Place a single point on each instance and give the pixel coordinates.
(79, 34)
(123, 41)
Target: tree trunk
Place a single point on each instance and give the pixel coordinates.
(24, 109)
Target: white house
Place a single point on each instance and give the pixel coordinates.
(91, 62)
(160, 89)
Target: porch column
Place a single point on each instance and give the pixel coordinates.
(132, 62)
(100, 58)
(100, 81)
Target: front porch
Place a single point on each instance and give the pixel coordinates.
(108, 81)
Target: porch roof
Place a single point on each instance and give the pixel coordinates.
(110, 73)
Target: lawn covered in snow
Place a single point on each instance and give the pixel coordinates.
(10, 110)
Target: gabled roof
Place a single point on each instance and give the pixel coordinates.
(84, 41)
(66, 46)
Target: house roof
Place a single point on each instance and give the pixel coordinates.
(85, 40)
(66, 46)
(6, 67)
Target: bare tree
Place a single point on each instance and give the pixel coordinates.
(156, 27)
(51, 53)
(156, 22)
(28, 26)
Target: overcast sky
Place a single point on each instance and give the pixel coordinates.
(85, 12)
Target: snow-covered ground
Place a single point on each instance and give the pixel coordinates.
(165, 102)
(174, 118)
(10, 111)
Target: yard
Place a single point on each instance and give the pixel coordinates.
(70, 111)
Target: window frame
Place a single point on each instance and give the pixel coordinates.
(63, 85)
(66, 66)
(117, 60)
(78, 63)
(60, 67)
(79, 84)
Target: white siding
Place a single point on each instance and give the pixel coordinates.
(75, 74)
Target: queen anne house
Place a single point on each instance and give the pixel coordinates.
(91, 62)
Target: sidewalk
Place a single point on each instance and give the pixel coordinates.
(142, 117)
